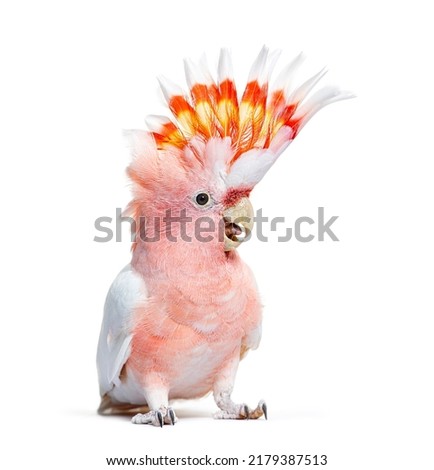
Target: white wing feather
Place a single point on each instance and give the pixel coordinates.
(114, 344)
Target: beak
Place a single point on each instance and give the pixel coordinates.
(238, 221)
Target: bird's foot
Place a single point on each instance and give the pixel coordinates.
(158, 417)
(242, 412)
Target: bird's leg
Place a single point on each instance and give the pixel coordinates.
(158, 402)
(222, 389)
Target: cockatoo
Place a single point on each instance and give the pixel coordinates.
(179, 318)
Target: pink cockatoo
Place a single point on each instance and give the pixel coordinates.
(180, 317)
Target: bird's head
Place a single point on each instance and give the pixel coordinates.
(192, 176)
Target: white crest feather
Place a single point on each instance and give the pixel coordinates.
(169, 88)
(225, 69)
(286, 76)
(252, 165)
(318, 100)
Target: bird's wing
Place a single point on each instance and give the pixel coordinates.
(114, 344)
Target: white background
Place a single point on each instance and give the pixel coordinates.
(346, 362)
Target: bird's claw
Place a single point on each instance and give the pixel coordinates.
(172, 416)
(243, 412)
(258, 412)
(263, 406)
(158, 417)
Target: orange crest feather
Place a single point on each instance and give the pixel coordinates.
(213, 109)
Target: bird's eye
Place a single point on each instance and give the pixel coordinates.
(202, 199)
